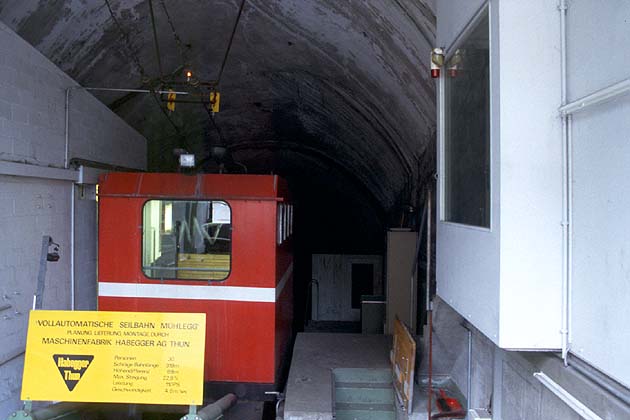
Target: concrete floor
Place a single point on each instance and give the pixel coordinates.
(309, 392)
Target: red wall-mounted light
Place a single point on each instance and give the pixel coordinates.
(437, 61)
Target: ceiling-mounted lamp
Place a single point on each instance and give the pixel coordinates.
(185, 159)
(191, 79)
(437, 61)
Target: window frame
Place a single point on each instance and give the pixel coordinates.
(174, 271)
(484, 12)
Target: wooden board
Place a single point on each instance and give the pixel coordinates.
(401, 287)
(403, 359)
(215, 261)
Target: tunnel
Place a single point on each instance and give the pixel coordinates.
(454, 202)
(333, 96)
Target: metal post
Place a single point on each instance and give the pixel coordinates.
(429, 309)
(428, 285)
(213, 411)
(72, 245)
(603, 95)
(58, 411)
(66, 157)
(469, 390)
(41, 277)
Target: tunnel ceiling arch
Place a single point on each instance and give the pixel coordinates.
(322, 80)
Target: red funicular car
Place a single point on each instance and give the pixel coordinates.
(219, 244)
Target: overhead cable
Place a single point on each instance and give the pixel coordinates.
(136, 61)
(155, 40)
(130, 52)
(178, 41)
(229, 48)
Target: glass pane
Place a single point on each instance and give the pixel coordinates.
(467, 131)
(186, 240)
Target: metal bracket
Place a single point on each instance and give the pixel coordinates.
(25, 414)
(192, 414)
(41, 277)
(20, 415)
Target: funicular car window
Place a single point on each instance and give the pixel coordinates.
(189, 240)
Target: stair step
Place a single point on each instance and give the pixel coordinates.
(379, 385)
(363, 375)
(364, 415)
(364, 395)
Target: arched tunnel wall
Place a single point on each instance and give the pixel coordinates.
(324, 86)
(333, 96)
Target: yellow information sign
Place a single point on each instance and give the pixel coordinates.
(116, 357)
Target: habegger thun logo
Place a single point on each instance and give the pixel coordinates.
(72, 367)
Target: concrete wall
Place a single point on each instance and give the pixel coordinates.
(600, 296)
(33, 204)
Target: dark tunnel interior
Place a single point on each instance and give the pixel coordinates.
(335, 96)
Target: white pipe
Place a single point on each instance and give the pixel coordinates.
(563, 50)
(597, 97)
(469, 372)
(72, 246)
(66, 158)
(575, 404)
(566, 268)
(10, 356)
(564, 329)
(569, 230)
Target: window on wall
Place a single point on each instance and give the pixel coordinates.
(189, 240)
(467, 130)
